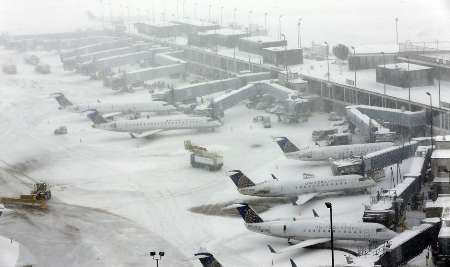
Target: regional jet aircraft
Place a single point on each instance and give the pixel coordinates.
(312, 231)
(302, 190)
(208, 260)
(328, 152)
(147, 127)
(114, 108)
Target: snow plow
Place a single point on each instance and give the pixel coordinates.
(37, 198)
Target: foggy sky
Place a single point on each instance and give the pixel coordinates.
(354, 22)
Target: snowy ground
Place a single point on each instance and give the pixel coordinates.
(117, 198)
(9, 252)
(366, 79)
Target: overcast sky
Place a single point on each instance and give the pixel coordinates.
(353, 22)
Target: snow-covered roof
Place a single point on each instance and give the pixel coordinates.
(403, 66)
(443, 200)
(408, 234)
(279, 48)
(194, 22)
(260, 39)
(441, 154)
(226, 31)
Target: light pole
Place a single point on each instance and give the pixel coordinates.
(250, 21)
(279, 26)
(265, 23)
(234, 17)
(431, 121)
(439, 83)
(158, 257)
(409, 87)
(221, 15)
(299, 41)
(285, 53)
(328, 62)
(184, 8)
(396, 30)
(354, 54)
(195, 10)
(209, 13)
(330, 207)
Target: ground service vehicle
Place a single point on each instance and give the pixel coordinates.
(202, 158)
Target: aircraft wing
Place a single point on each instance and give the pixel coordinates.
(146, 134)
(302, 199)
(112, 114)
(303, 244)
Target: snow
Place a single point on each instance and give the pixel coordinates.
(443, 200)
(260, 39)
(9, 252)
(366, 80)
(441, 154)
(404, 66)
(149, 182)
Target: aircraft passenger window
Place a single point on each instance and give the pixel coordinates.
(379, 230)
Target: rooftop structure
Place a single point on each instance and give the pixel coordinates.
(404, 75)
(255, 44)
(282, 56)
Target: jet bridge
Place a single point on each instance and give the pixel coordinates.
(367, 127)
(400, 249)
(404, 118)
(94, 48)
(288, 102)
(234, 97)
(170, 66)
(189, 93)
(78, 62)
(388, 206)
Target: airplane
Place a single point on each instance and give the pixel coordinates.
(311, 231)
(147, 127)
(4, 211)
(208, 260)
(302, 190)
(328, 152)
(114, 108)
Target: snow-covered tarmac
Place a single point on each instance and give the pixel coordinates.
(118, 198)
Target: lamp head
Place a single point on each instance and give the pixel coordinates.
(161, 253)
(428, 93)
(152, 253)
(328, 204)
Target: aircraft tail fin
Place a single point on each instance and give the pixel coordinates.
(95, 117)
(248, 214)
(62, 100)
(286, 145)
(240, 179)
(316, 215)
(207, 259)
(292, 263)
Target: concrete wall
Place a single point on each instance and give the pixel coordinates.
(370, 61)
(404, 79)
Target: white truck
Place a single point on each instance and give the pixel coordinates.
(202, 158)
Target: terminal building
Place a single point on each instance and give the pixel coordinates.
(222, 37)
(282, 56)
(370, 60)
(255, 44)
(159, 30)
(190, 26)
(404, 75)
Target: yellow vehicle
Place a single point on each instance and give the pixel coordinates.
(38, 197)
